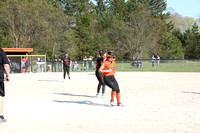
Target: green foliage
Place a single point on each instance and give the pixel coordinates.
(133, 28)
(171, 47)
(3, 41)
(192, 42)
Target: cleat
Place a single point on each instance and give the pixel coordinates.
(97, 95)
(119, 104)
(103, 96)
(2, 119)
(112, 102)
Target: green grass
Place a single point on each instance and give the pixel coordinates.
(183, 69)
(163, 67)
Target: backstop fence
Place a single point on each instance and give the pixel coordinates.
(38, 63)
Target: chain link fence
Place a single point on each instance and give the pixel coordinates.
(128, 65)
(27, 63)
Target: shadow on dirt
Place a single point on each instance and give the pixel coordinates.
(198, 93)
(75, 95)
(85, 102)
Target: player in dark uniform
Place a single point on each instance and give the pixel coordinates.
(4, 68)
(99, 75)
(66, 65)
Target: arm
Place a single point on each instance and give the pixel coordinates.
(101, 68)
(104, 71)
(70, 63)
(7, 71)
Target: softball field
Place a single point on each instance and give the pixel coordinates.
(155, 102)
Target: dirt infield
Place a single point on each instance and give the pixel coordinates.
(155, 102)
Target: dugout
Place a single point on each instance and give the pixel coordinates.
(18, 51)
(16, 61)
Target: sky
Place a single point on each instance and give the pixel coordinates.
(189, 8)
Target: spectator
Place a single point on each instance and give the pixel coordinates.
(75, 66)
(59, 65)
(152, 60)
(55, 59)
(90, 62)
(85, 61)
(158, 61)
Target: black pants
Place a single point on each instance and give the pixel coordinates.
(66, 69)
(2, 90)
(101, 82)
(111, 82)
(54, 67)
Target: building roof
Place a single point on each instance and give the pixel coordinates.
(18, 49)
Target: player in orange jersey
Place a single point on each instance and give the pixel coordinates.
(108, 70)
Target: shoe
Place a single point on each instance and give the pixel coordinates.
(103, 96)
(69, 77)
(2, 119)
(112, 102)
(119, 104)
(97, 95)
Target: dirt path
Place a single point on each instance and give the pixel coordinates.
(155, 102)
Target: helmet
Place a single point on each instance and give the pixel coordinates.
(110, 54)
(101, 52)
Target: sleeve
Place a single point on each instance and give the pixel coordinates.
(4, 57)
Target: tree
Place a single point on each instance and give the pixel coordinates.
(180, 22)
(34, 24)
(118, 9)
(139, 37)
(192, 42)
(3, 41)
(82, 23)
(171, 47)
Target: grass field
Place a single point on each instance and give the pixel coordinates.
(178, 66)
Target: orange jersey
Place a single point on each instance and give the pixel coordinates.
(109, 66)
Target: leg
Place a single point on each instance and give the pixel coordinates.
(102, 83)
(98, 78)
(64, 70)
(68, 71)
(2, 94)
(111, 82)
(1, 105)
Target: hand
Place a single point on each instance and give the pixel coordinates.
(7, 79)
(109, 70)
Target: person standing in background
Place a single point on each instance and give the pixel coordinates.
(59, 65)
(4, 68)
(158, 61)
(55, 59)
(152, 60)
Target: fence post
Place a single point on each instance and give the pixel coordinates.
(122, 65)
(21, 64)
(45, 69)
